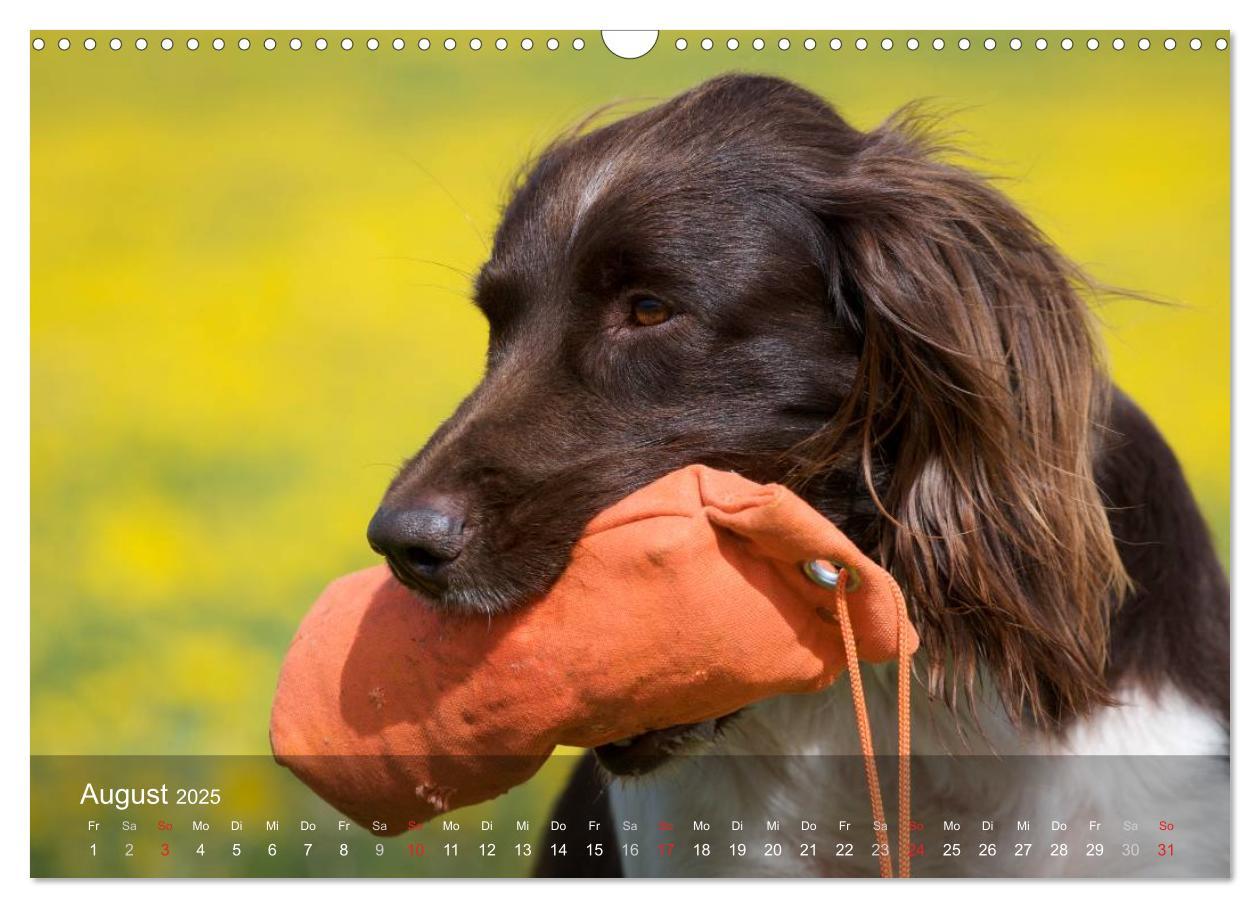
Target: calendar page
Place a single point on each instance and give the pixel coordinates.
(400, 399)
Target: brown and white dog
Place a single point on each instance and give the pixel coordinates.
(739, 278)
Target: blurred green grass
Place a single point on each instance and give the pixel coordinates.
(249, 274)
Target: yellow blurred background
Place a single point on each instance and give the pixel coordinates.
(249, 281)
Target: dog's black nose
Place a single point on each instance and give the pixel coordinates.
(418, 542)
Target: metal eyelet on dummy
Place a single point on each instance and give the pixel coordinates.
(827, 574)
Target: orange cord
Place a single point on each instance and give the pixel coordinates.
(864, 734)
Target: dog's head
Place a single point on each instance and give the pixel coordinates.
(739, 278)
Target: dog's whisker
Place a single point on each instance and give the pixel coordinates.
(467, 217)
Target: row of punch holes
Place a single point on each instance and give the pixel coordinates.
(680, 44)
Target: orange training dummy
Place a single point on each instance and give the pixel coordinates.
(683, 602)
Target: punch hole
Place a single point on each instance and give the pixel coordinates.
(38, 44)
(399, 44)
(990, 44)
(193, 44)
(1169, 44)
(835, 44)
(1195, 43)
(526, 44)
(759, 44)
(579, 44)
(1118, 44)
(475, 44)
(912, 44)
(1144, 44)
(500, 44)
(373, 44)
(680, 44)
(1016, 44)
(1042, 44)
(1066, 44)
(1221, 44)
(89, 44)
(423, 44)
(449, 43)
(295, 44)
(938, 44)
(269, 44)
(886, 44)
(784, 44)
(810, 44)
(321, 44)
(628, 44)
(964, 43)
(217, 44)
(732, 44)
(115, 44)
(706, 44)
(860, 44)
(553, 44)
(167, 44)
(243, 44)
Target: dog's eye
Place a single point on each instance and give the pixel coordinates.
(648, 311)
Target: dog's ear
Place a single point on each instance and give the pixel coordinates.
(974, 420)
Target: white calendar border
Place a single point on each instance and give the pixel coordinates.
(923, 14)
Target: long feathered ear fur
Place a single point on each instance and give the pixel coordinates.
(974, 422)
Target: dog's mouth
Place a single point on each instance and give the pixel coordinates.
(651, 750)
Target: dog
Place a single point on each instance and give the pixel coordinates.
(738, 277)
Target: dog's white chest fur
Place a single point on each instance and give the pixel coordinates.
(747, 779)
